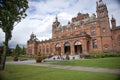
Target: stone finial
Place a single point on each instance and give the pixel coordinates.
(56, 19)
(100, 0)
(68, 22)
(113, 18)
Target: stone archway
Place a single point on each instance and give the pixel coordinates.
(67, 48)
(78, 47)
(58, 49)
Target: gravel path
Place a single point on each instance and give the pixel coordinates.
(78, 68)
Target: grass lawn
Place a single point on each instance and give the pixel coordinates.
(110, 62)
(10, 58)
(27, 72)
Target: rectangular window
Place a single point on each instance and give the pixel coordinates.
(93, 32)
(94, 41)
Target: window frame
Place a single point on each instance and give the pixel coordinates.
(94, 43)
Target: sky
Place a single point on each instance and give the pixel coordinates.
(41, 14)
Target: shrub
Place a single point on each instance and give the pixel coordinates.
(101, 54)
(39, 58)
(97, 54)
(67, 57)
(15, 58)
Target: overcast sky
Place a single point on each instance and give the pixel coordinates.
(42, 13)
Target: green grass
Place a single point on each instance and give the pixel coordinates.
(111, 62)
(27, 72)
(10, 58)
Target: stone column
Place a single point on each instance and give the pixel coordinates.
(51, 47)
(41, 49)
(84, 46)
(62, 48)
(72, 48)
(45, 49)
(54, 49)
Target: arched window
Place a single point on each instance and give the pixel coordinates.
(78, 47)
(77, 43)
(67, 48)
(58, 49)
(47, 50)
(58, 45)
(67, 44)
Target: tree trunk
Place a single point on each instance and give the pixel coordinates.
(5, 50)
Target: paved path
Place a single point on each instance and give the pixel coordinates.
(78, 68)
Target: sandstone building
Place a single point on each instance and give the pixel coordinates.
(83, 34)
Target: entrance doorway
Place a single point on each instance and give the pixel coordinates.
(78, 47)
(67, 48)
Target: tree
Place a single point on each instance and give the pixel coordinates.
(11, 13)
(17, 50)
(23, 51)
(13, 52)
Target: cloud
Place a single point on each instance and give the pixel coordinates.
(113, 10)
(42, 13)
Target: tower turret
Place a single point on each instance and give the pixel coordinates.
(113, 23)
(103, 19)
(55, 24)
(104, 25)
(101, 9)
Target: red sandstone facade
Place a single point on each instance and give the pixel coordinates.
(83, 34)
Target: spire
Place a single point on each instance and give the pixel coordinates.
(100, 0)
(101, 9)
(113, 22)
(101, 3)
(113, 18)
(56, 19)
(56, 22)
(97, 3)
(32, 34)
(68, 22)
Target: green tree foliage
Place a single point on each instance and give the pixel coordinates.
(11, 13)
(23, 51)
(13, 52)
(17, 50)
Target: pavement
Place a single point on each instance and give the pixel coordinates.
(78, 68)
